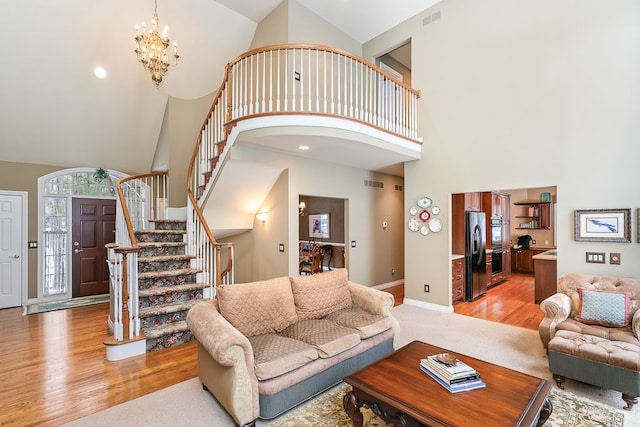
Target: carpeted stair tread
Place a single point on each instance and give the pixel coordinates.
(165, 289)
(170, 308)
(171, 328)
(168, 273)
(166, 258)
(161, 232)
(170, 220)
(160, 244)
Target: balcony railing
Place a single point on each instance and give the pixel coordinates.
(301, 79)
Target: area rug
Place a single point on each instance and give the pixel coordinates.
(67, 303)
(569, 410)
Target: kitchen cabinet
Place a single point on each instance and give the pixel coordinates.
(473, 202)
(457, 279)
(545, 278)
(489, 262)
(522, 259)
(534, 215)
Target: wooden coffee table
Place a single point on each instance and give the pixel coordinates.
(396, 390)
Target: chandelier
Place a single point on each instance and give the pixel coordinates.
(152, 49)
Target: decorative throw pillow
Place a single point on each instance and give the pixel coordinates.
(257, 308)
(317, 295)
(604, 308)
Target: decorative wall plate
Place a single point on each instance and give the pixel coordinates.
(424, 202)
(435, 210)
(424, 215)
(435, 225)
(424, 230)
(413, 210)
(414, 224)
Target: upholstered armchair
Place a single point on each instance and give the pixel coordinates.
(591, 331)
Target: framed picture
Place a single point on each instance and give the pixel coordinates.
(319, 226)
(602, 225)
(545, 197)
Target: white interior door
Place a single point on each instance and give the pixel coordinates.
(12, 237)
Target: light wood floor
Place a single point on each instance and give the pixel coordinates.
(53, 368)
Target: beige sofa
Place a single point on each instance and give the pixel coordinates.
(264, 347)
(591, 331)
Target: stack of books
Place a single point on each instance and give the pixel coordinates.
(451, 373)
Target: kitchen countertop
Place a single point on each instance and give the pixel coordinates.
(550, 255)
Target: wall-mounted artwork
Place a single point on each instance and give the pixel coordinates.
(602, 225)
(319, 226)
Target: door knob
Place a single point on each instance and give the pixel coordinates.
(77, 251)
(15, 256)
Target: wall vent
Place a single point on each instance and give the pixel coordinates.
(433, 17)
(398, 187)
(374, 184)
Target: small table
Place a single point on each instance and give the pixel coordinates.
(396, 390)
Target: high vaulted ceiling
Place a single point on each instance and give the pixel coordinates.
(54, 111)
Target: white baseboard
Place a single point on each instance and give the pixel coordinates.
(428, 305)
(388, 284)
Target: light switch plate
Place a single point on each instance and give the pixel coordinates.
(595, 257)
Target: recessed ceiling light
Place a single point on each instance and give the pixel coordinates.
(100, 72)
(303, 147)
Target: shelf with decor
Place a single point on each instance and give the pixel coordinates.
(536, 216)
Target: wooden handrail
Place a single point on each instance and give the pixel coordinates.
(201, 218)
(325, 49)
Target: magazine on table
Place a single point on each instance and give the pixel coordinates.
(456, 387)
(447, 366)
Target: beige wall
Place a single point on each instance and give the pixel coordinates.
(293, 23)
(257, 251)
(524, 94)
(183, 119)
(24, 177)
(377, 251)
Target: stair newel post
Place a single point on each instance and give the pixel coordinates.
(128, 321)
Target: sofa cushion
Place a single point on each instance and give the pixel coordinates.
(365, 323)
(317, 295)
(327, 337)
(603, 308)
(258, 308)
(275, 355)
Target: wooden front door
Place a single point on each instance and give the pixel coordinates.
(94, 223)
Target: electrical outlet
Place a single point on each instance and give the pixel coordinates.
(614, 258)
(393, 271)
(595, 257)
(426, 288)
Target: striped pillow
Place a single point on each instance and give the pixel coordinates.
(604, 308)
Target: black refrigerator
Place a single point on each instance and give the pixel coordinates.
(475, 255)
